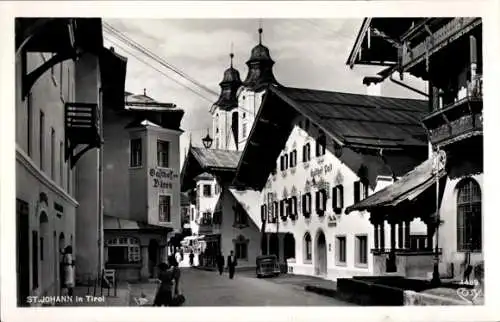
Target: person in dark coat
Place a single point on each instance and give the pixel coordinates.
(164, 294)
(231, 264)
(220, 263)
(191, 258)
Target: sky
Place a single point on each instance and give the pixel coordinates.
(309, 53)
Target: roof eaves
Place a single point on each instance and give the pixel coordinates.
(359, 41)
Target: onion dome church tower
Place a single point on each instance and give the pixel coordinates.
(225, 110)
(260, 68)
(260, 76)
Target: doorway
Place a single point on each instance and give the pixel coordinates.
(153, 254)
(23, 252)
(44, 253)
(321, 256)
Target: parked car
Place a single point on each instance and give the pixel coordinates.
(267, 265)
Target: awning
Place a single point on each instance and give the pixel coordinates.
(407, 188)
(250, 201)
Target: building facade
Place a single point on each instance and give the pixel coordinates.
(451, 180)
(142, 203)
(57, 189)
(306, 176)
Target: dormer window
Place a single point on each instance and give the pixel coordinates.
(360, 190)
(306, 205)
(338, 198)
(293, 159)
(306, 152)
(320, 145)
(321, 202)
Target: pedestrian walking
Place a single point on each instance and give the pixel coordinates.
(178, 256)
(220, 263)
(231, 264)
(191, 258)
(68, 265)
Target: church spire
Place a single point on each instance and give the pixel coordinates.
(260, 66)
(230, 84)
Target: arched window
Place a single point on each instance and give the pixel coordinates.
(123, 250)
(307, 248)
(289, 247)
(469, 229)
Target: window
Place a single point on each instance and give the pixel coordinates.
(320, 145)
(29, 114)
(263, 213)
(274, 212)
(284, 162)
(34, 259)
(321, 202)
(68, 178)
(341, 250)
(469, 229)
(217, 141)
(61, 76)
(41, 140)
(283, 209)
(192, 214)
(162, 153)
(306, 205)
(418, 242)
(61, 163)
(123, 250)
(217, 217)
(136, 152)
(292, 208)
(164, 209)
(306, 152)
(360, 191)
(362, 250)
(52, 153)
(241, 248)
(307, 248)
(338, 198)
(293, 159)
(240, 216)
(207, 190)
(244, 129)
(206, 218)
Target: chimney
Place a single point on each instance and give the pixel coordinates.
(374, 89)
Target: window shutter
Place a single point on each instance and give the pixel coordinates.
(263, 213)
(304, 153)
(356, 191)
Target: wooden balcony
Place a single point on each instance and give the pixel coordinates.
(459, 120)
(431, 36)
(82, 126)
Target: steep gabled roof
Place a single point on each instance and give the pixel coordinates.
(213, 161)
(350, 120)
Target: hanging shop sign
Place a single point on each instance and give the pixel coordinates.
(162, 178)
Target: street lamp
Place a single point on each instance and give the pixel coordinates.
(207, 141)
(438, 165)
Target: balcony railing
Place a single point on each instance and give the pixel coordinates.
(82, 125)
(459, 119)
